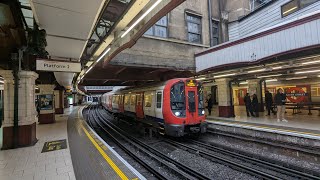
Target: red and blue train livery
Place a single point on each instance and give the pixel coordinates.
(174, 107)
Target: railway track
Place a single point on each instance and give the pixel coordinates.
(96, 120)
(308, 150)
(264, 169)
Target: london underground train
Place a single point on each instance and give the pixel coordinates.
(174, 107)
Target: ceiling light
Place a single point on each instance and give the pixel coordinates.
(278, 67)
(274, 75)
(199, 79)
(271, 80)
(258, 70)
(318, 75)
(103, 54)
(143, 16)
(245, 82)
(311, 62)
(89, 69)
(295, 78)
(286, 12)
(304, 72)
(224, 75)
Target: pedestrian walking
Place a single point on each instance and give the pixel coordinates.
(247, 102)
(269, 102)
(210, 104)
(280, 100)
(255, 105)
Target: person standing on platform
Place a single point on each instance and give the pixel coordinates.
(269, 102)
(247, 102)
(210, 104)
(280, 100)
(255, 105)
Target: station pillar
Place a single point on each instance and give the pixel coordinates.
(226, 108)
(255, 87)
(59, 101)
(27, 115)
(47, 104)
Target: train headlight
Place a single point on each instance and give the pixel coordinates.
(177, 113)
(203, 112)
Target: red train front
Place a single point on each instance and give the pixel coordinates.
(183, 109)
(174, 107)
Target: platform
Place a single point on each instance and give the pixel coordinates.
(30, 164)
(302, 125)
(92, 158)
(86, 155)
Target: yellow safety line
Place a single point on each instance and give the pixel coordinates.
(271, 128)
(105, 156)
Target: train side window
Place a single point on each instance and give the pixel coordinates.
(133, 100)
(147, 100)
(138, 99)
(114, 99)
(159, 98)
(126, 99)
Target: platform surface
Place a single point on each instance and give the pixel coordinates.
(304, 124)
(301, 120)
(92, 158)
(30, 164)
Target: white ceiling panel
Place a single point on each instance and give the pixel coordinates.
(64, 23)
(62, 47)
(81, 6)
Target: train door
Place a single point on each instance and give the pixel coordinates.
(149, 104)
(121, 105)
(139, 105)
(192, 102)
(158, 108)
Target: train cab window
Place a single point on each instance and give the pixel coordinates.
(191, 101)
(147, 100)
(133, 100)
(126, 99)
(200, 101)
(159, 98)
(178, 97)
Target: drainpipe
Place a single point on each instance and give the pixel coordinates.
(231, 97)
(15, 71)
(261, 96)
(210, 21)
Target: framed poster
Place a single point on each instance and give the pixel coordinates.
(46, 101)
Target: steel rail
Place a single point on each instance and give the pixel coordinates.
(134, 156)
(271, 166)
(181, 166)
(288, 146)
(244, 168)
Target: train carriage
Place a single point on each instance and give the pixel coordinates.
(174, 107)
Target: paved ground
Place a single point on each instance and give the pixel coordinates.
(302, 120)
(29, 163)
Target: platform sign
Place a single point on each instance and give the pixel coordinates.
(58, 66)
(54, 145)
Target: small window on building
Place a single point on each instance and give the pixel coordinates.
(290, 8)
(194, 28)
(215, 33)
(159, 99)
(305, 3)
(294, 6)
(160, 29)
(147, 100)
